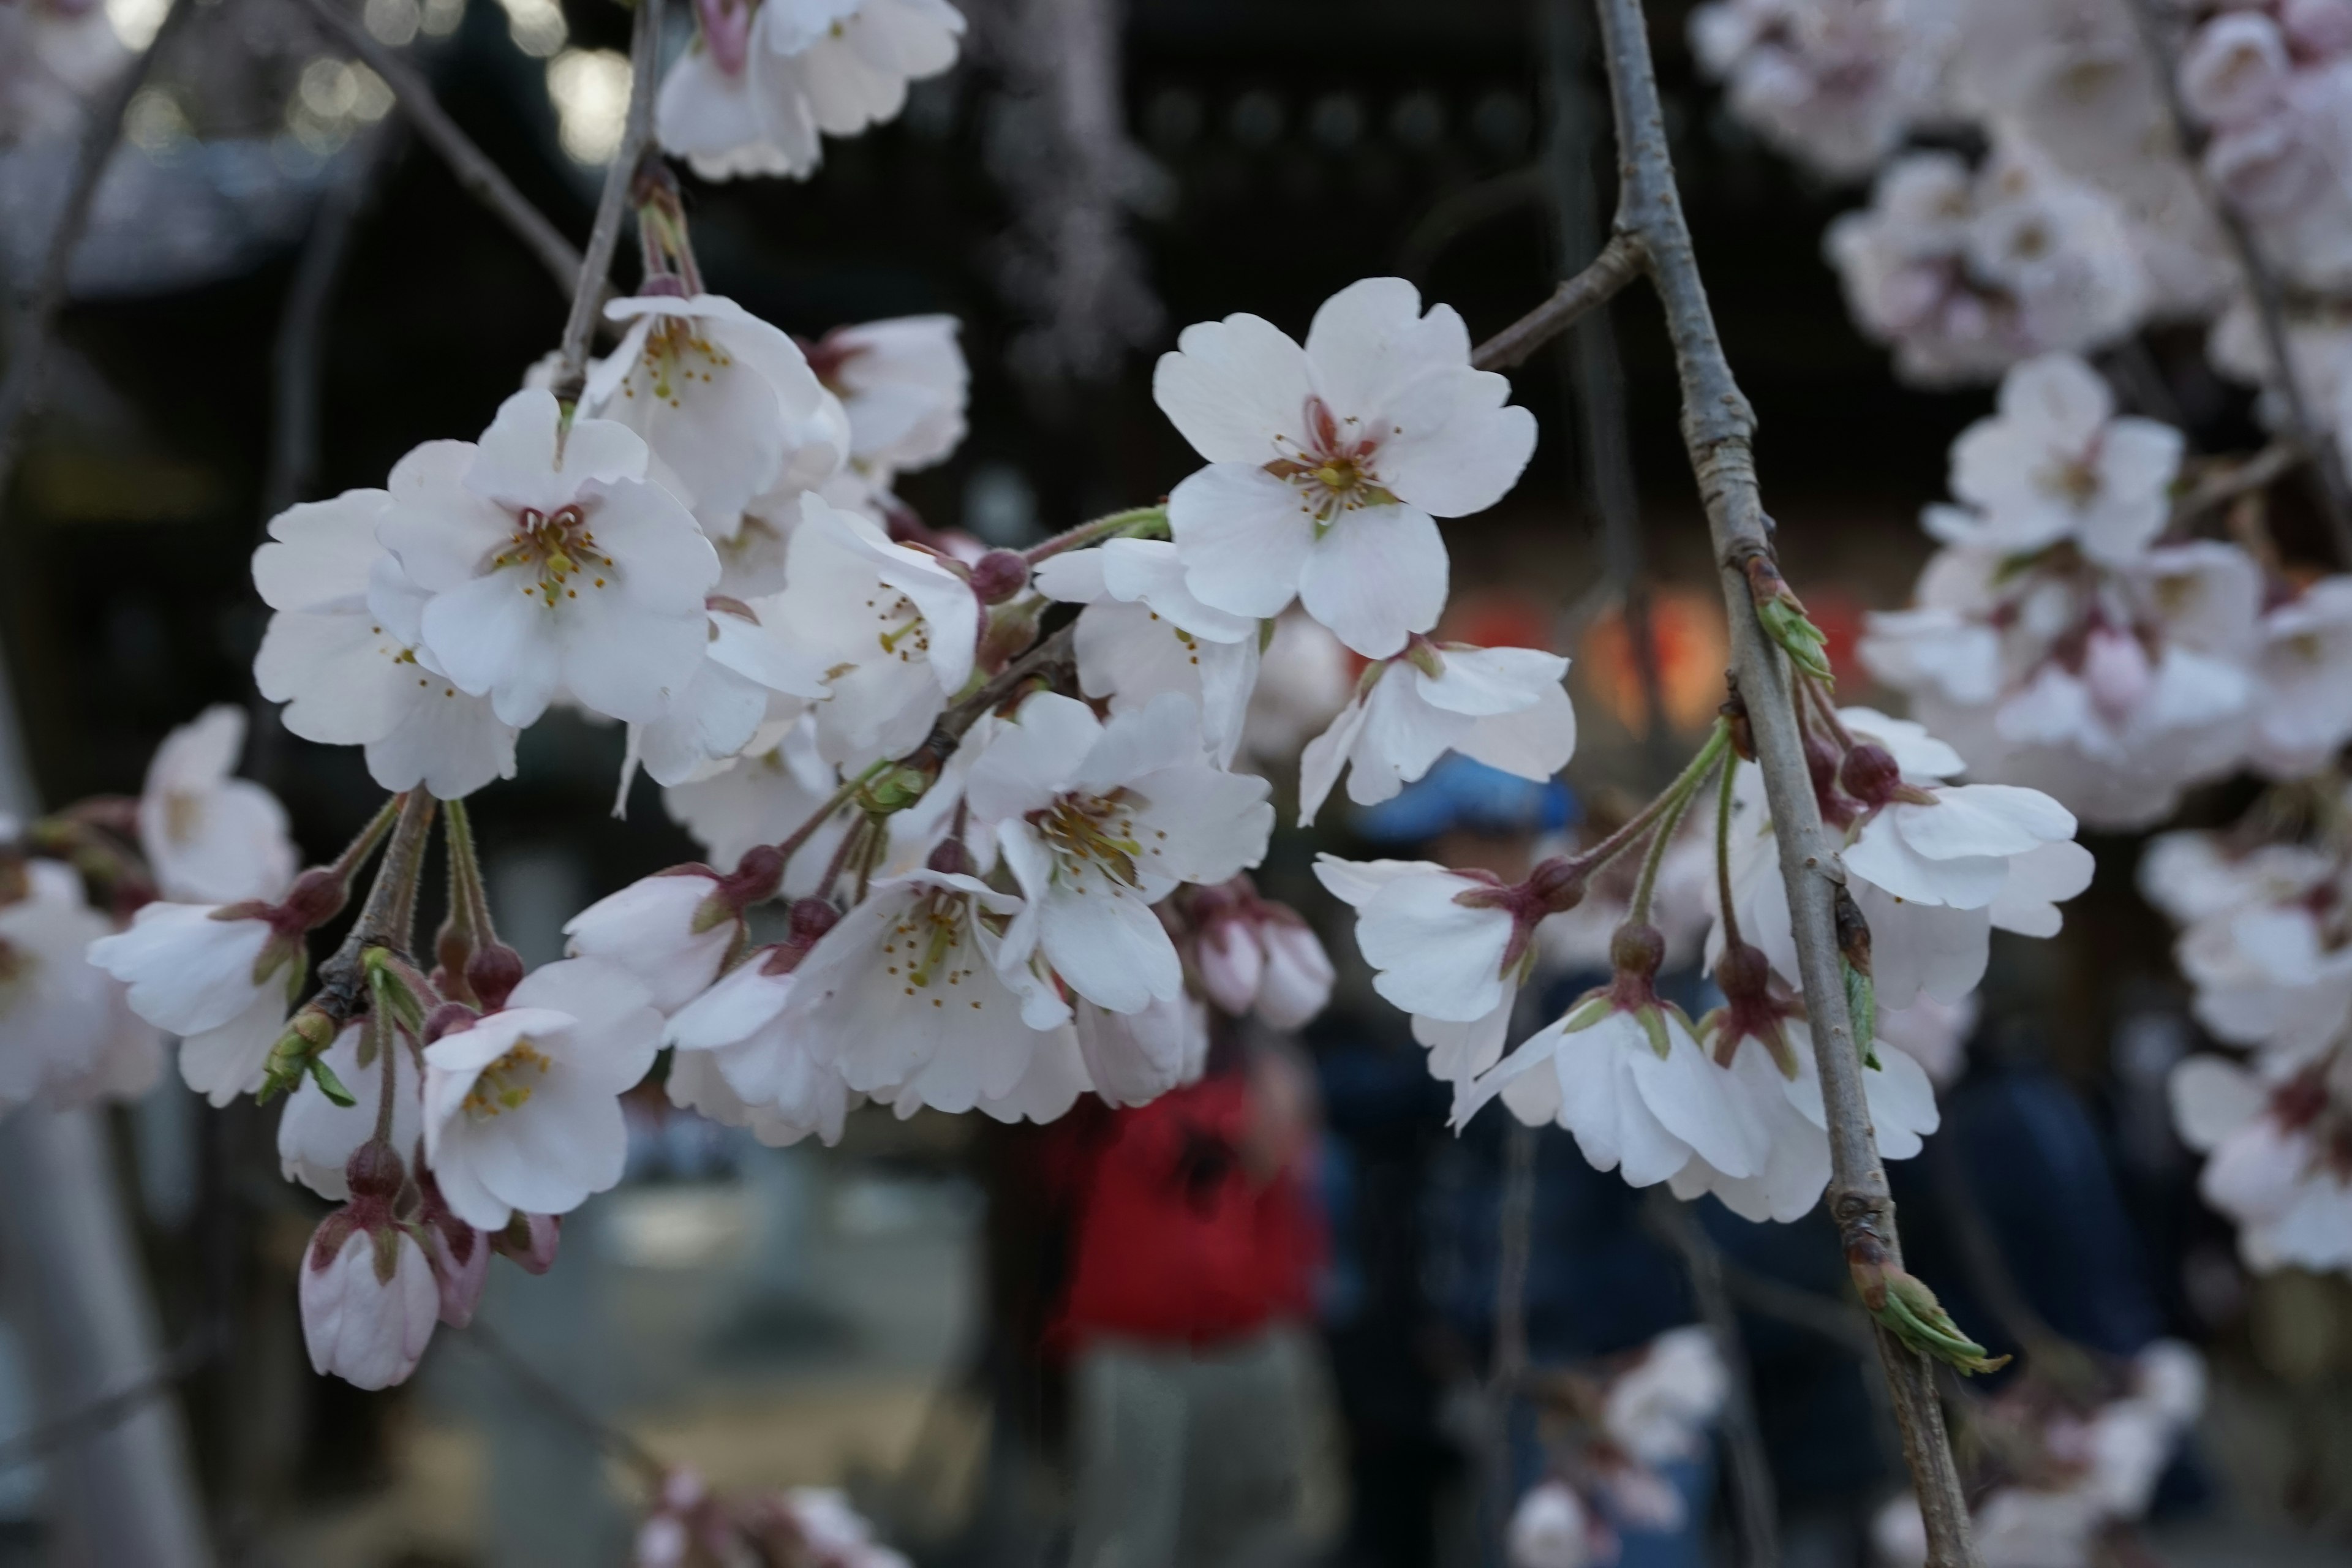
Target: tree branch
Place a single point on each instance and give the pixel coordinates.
(482, 179)
(2226, 481)
(1718, 430)
(1751, 1475)
(636, 135)
(2262, 283)
(1619, 263)
(28, 349)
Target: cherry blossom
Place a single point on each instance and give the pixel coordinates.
(1253, 955)
(758, 83)
(1132, 1058)
(2303, 681)
(674, 930)
(926, 993)
(752, 677)
(1142, 634)
(1328, 464)
(209, 837)
(2111, 689)
(2273, 85)
(522, 1109)
(343, 652)
(1659, 1408)
(2056, 464)
(1967, 274)
(549, 564)
(1503, 706)
(215, 976)
(728, 408)
(896, 626)
(737, 1059)
(1837, 84)
(368, 1295)
(1099, 822)
(1441, 946)
(56, 1009)
(903, 383)
(2276, 1147)
(1551, 1527)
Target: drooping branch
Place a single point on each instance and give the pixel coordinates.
(480, 178)
(1619, 263)
(1718, 430)
(28, 347)
(636, 135)
(2261, 284)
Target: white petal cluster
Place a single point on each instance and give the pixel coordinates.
(209, 837)
(2271, 83)
(2265, 945)
(1329, 464)
(762, 83)
(1837, 83)
(68, 1034)
(2057, 640)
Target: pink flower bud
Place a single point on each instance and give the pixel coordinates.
(998, 575)
(1639, 951)
(367, 1292)
(316, 898)
(2115, 669)
(1232, 963)
(493, 972)
(530, 1240)
(1869, 774)
(1299, 974)
(449, 1019)
(459, 1254)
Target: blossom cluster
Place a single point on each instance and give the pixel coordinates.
(2264, 943)
(2066, 637)
(1606, 1433)
(806, 1527)
(2060, 1470)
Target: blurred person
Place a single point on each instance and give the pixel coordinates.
(1196, 1248)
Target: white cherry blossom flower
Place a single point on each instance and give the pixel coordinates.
(896, 626)
(2303, 681)
(215, 977)
(753, 676)
(522, 1110)
(1328, 464)
(758, 85)
(1436, 952)
(1658, 1409)
(743, 1063)
(925, 995)
(903, 383)
(342, 652)
(317, 1137)
(1552, 1528)
(1838, 83)
(210, 837)
(2277, 1156)
(672, 930)
(1142, 634)
(551, 564)
(2191, 874)
(1134, 1057)
(57, 1008)
(1099, 822)
(725, 404)
(1503, 706)
(2056, 463)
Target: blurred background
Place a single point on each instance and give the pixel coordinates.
(282, 291)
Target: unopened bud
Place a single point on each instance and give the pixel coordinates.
(949, 859)
(998, 575)
(1870, 775)
(809, 919)
(317, 896)
(493, 973)
(756, 877)
(449, 1019)
(1743, 971)
(1558, 884)
(374, 1171)
(1637, 950)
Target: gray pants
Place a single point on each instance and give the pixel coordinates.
(1189, 1458)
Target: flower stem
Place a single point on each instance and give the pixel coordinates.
(470, 903)
(387, 1045)
(1682, 795)
(355, 854)
(1638, 825)
(1723, 852)
(1134, 522)
(794, 841)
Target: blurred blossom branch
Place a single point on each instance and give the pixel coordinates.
(29, 339)
(481, 178)
(1620, 262)
(2227, 482)
(1718, 427)
(1751, 1473)
(636, 136)
(2262, 281)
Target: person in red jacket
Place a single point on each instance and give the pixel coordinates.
(1198, 1245)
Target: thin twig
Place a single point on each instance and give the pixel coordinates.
(1619, 263)
(1514, 1228)
(2225, 482)
(559, 1402)
(386, 919)
(28, 349)
(636, 136)
(2262, 283)
(105, 1411)
(1719, 428)
(1751, 1474)
(481, 178)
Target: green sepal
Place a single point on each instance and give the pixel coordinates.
(1913, 1315)
(1805, 644)
(1653, 1024)
(329, 1084)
